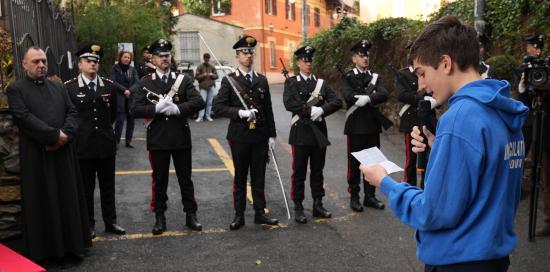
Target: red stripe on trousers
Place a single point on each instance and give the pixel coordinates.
(153, 184)
(408, 155)
(293, 174)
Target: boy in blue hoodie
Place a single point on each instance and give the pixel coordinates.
(465, 215)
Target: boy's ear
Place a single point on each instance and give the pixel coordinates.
(446, 63)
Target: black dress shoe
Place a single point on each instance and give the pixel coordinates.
(355, 204)
(114, 228)
(192, 222)
(300, 217)
(238, 222)
(92, 232)
(260, 218)
(160, 224)
(129, 145)
(319, 210)
(371, 201)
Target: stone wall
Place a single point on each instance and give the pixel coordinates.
(10, 190)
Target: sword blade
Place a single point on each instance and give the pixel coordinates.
(280, 181)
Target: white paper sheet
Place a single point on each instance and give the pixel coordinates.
(373, 155)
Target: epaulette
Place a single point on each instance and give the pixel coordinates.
(70, 81)
(106, 79)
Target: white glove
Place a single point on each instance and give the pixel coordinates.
(433, 102)
(249, 114)
(172, 109)
(160, 107)
(316, 113)
(271, 142)
(362, 100)
(521, 86)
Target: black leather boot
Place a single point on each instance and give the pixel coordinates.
(114, 228)
(371, 201)
(355, 203)
(160, 224)
(261, 218)
(192, 222)
(299, 215)
(238, 221)
(319, 210)
(92, 232)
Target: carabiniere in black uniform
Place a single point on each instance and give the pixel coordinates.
(364, 123)
(95, 102)
(307, 137)
(406, 86)
(169, 136)
(247, 139)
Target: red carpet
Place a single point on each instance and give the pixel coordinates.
(10, 261)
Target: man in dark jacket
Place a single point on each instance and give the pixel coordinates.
(55, 220)
(251, 130)
(95, 100)
(363, 92)
(168, 100)
(310, 100)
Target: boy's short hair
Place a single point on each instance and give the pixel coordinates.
(447, 36)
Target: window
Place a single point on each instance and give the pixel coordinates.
(272, 57)
(221, 7)
(189, 46)
(290, 11)
(308, 19)
(271, 7)
(316, 17)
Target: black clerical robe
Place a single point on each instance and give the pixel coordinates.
(55, 220)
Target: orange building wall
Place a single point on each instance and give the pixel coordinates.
(264, 27)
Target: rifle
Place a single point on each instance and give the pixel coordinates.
(400, 78)
(284, 71)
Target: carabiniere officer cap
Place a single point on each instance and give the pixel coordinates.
(536, 40)
(362, 48)
(161, 47)
(245, 44)
(305, 53)
(91, 51)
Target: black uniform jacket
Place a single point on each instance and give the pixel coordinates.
(367, 119)
(407, 92)
(96, 115)
(227, 104)
(295, 97)
(167, 132)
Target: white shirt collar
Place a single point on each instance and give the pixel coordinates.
(311, 76)
(160, 74)
(87, 81)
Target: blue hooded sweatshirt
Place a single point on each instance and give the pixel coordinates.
(472, 186)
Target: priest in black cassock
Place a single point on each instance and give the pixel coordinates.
(55, 220)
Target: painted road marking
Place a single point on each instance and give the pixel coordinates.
(196, 170)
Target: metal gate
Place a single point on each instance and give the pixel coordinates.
(41, 23)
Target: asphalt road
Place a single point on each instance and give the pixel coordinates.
(369, 241)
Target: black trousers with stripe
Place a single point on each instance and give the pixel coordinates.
(253, 157)
(104, 169)
(358, 143)
(300, 156)
(160, 163)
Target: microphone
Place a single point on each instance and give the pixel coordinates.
(423, 113)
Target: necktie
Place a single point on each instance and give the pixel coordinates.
(91, 86)
(164, 79)
(248, 77)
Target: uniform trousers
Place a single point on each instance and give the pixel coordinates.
(160, 163)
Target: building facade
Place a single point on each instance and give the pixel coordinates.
(277, 25)
(372, 10)
(196, 35)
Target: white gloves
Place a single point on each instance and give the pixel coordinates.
(249, 114)
(433, 102)
(521, 86)
(362, 100)
(316, 113)
(167, 107)
(271, 142)
(162, 104)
